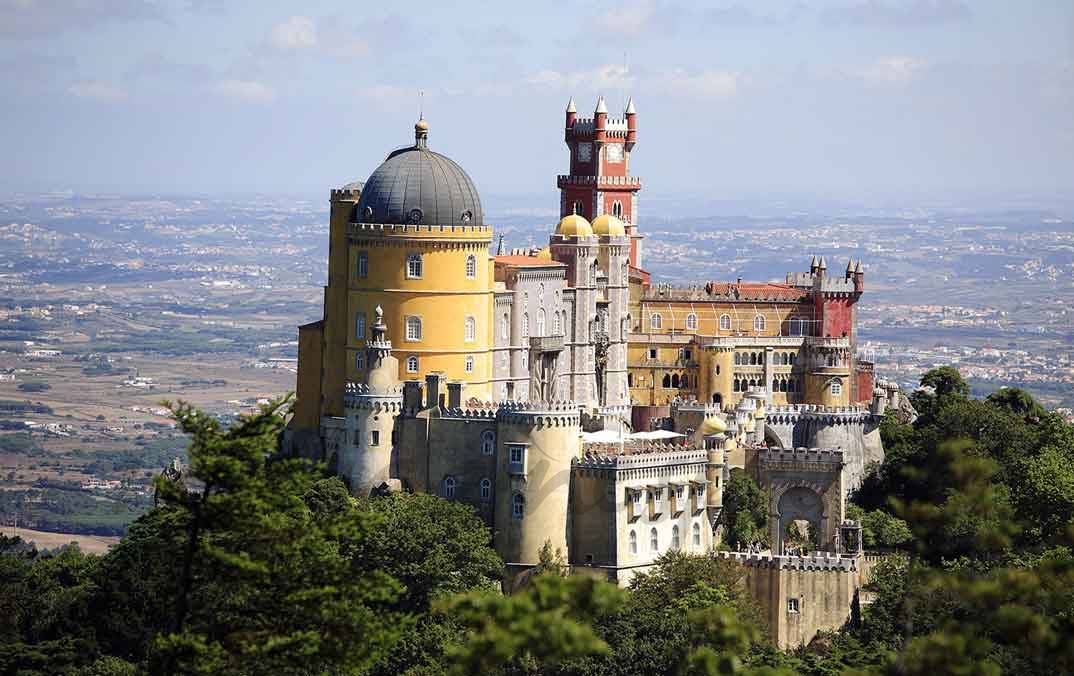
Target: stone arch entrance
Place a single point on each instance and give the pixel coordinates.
(771, 439)
(797, 505)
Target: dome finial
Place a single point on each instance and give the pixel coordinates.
(421, 133)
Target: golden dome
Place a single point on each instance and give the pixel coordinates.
(713, 424)
(609, 225)
(574, 226)
(545, 254)
(421, 125)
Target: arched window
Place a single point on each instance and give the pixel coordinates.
(413, 266)
(540, 322)
(782, 385)
(633, 540)
(359, 361)
(469, 329)
(794, 358)
(837, 387)
(411, 364)
(753, 358)
(667, 380)
(578, 208)
(505, 327)
(717, 369)
(363, 264)
(525, 325)
(525, 359)
(654, 541)
(617, 209)
(725, 322)
(761, 358)
(449, 487)
(734, 385)
(359, 325)
(630, 379)
(413, 328)
(786, 358)
(488, 442)
(557, 325)
(486, 490)
(656, 321)
(691, 322)
(696, 534)
(468, 364)
(471, 266)
(675, 381)
(675, 537)
(758, 323)
(738, 359)
(518, 506)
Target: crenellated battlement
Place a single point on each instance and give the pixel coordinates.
(770, 457)
(610, 456)
(599, 181)
(409, 230)
(540, 413)
(816, 561)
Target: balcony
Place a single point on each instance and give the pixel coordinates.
(546, 343)
(830, 342)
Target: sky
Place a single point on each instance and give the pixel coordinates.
(847, 98)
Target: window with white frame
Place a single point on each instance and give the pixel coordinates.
(525, 325)
(488, 442)
(540, 322)
(691, 322)
(516, 454)
(652, 353)
(359, 361)
(374, 437)
(486, 490)
(632, 541)
(657, 495)
(413, 328)
(413, 266)
(449, 487)
(518, 506)
(725, 322)
(797, 326)
(680, 498)
(412, 364)
(469, 329)
(557, 326)
(654, 541)
(675, 537)
(758, 323)
(696, 534)
(471, 266)
(792, 605)
(656, 321)
(359, 325)
(468, 365)
(362, 267)
(837, 387)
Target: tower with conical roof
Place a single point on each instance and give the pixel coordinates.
(599, 181)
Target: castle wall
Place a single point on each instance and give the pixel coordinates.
(307, 415)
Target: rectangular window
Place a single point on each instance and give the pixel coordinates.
(516, 459)
(517, 454)
(359, 361)
(374, 438)
(652, 353)
(359, 325)
(792, 605)
(363, 264)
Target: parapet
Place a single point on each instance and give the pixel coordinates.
(540, 413)
(815, 561)
(421, 231)
(653, 454)
(359, 395)
(773, 457)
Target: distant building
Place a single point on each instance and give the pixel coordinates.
(441, 367)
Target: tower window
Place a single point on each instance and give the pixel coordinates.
(469, 329)
(633, 542)
(696, 534)
(656, 321)
(449, 487)
(758, 323)
(675, 537)
(359, 361)
(411, 364)
(486, 490)
(413, 266)
(359, 325)
(525, 325)
(578, 208)
(654, 541)
(469, 364)
(488, 442)
(413, 328)
(652, 353)
(617, 209)
(363, 264)
(837, 387)
(374, 438)
(518, 506)
(471, 266)
(792, 605)
(691, 322)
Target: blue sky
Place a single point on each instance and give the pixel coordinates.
(843, 98)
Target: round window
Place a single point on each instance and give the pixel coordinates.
(467, 216)
(415, 216)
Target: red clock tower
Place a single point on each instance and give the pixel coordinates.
(599, 181)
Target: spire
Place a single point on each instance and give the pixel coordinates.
(813, 264)
(630, 106)
(601, 106)
(499, 246)
(850, 267)
(570, 106)
(823, 264)
(858, 269)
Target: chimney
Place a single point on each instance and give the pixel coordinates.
(454, 395)
(434, 398)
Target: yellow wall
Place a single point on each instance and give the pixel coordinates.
(308, 391)
(673, 316)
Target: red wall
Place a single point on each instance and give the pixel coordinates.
(836, 315)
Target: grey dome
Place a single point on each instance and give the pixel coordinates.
(420, 187)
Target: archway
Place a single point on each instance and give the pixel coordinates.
(799, 520)
(717, 399)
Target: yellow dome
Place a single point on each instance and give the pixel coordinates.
(574, 226)
(713, 425)
(608, 224)
(545, 254)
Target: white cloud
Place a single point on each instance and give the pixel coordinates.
(630, 20)
(389, 94)
(890, 70)
(295, 33)
(97, 91)
(601, 78)
(247, 91)
(705, 84)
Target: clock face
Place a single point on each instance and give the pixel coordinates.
(614, 152)
(585, 152)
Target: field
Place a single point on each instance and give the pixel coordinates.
(95, 544)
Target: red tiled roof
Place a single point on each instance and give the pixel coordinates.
(527, 261)
(756, 291)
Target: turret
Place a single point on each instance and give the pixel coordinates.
(850, 269)
(859, 277)
(822, 267)
(813, 265)
(572, 113)
(600, 119)
(632, 124)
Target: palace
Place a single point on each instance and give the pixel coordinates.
(565, 394)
